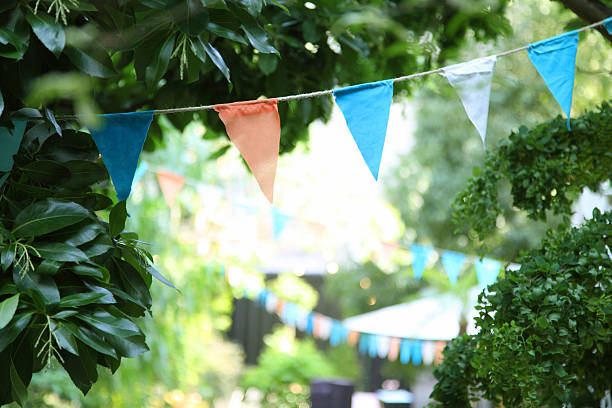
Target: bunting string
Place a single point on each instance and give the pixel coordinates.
(308, 95)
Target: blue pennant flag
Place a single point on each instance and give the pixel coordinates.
(263, 297)
(336, 333)
(416, 352)
(487, 271)
(366, 111)
(120, 139)
(420, 256)
(364, 343)
(608, 24)
(405, 351)
(310, 323)
(279, 222)
(373, 346)
(453, 262)
(555, 60)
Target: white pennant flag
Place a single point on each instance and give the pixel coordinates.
(472, 81)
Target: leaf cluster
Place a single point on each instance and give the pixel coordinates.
(547, 168)
(544, 330)
(72, 287)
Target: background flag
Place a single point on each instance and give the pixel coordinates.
(453, 262)
(405, 351)
(472, 81)
(420, 256)
(170, 185)
(394, 348)
(416, 351)
(119, 140)
(383, 346)
(279, 221)
(366, 111)
(373, 346)
(254, 127)
(555, 60)
(608, 24)
(428, 352)
(487, 271)
(140, 172)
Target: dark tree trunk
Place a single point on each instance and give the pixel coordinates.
(590, 11)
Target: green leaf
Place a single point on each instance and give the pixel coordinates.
(46, 216)
(258, 37)
(84, 173)
(192, 20)
(100, 67)
(217, 59)
(58, 251)
(91, 339)
(226, 33)
(50, 33)
(46, 172)
(12, 330)
(8, 256)
(131, 346)
(88, 270)
(160, 277)
(47, 267)
(80, 299)
(220, 152)
(9, 143)
(1, 103)
(18, 389)
(156, 69)
(267, 63)
(7, 309)
(78, 234)
(65, 339)
(13, 45)
(253, 6)
(117, 218)
(107, 323)
(38, 286)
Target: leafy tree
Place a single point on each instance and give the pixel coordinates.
(78, 57)
(545, 329)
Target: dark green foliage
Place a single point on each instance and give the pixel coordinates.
(72, 287)
(168, 53)
(547, 167)
(545, 329)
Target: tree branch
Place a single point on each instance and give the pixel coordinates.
(590, 11)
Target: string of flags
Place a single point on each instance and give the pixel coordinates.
(254, 126)
(325, 328)
(453, 263)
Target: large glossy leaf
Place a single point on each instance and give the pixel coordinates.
(7, 309)
(13, 45)
(12, 330)
(58, 251)
(48, 267)
(131, 346)
(42, 287)
(65, 339)
(90, 270)
(77, 234)
(7, 256)
(18, 388)
(84, 173)
(108, 297)
(110, 324)
(49, 32)
(117, 218)
(256, 35)
(46, 216)
(158, 66)
(91, 339)
(82, 368)
(9, 143)
(155, 273)
(46, 171)
(253, 6)
(225, 32)
(101, 245)
(217, 59)
(192, 18)
(98, 66)
(80, 299)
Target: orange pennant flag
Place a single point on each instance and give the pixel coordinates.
(352, 338)
(394, 348)
(170, 185)
(439, 348)
(254, 127)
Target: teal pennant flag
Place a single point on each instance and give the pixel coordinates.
(453, 262)
(555, 60)
(420, 256)
(373, 346)
(279, 221)
(10, 140)
(608, 24)
(487, 271)
(120, 138)
(366, 110)
(416, 352)
(405, 351)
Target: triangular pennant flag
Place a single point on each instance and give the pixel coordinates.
(420, 256)
(120, 138)
(394, 348)
(453, 262)
(416, 352)
(364, 343)
(336, 334)
(254, 127)
(472, 81)
(140, 172)
(428, 352)
(10, 142)
(555, 60)
(310, 322)
(262, 297)
(405, 351)
(439, 349)
(366, 110)
(373, 346)
(170, 185)
(608, 24)
(325, 326)
(383, 346)
(271, 302)
(279, 221)
(352, 338)
(487, 271)
(302, 319)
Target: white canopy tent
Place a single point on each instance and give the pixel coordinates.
(433, 317)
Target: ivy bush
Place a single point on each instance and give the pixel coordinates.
(72, 286)
(547, 168)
